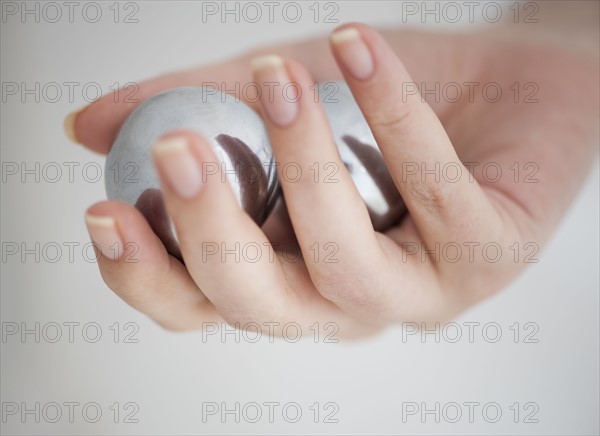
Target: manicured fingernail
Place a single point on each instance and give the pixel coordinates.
(353, 52)
(178, 165)
(104, 234)
(278, 98)
(69, 126)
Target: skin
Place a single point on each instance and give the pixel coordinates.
(375, 282)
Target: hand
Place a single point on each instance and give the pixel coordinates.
(378, 279)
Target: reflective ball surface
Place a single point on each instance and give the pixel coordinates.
(360, 153)
(238, 137)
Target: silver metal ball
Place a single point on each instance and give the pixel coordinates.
(241, 143)
(235, 131)
(361, 155)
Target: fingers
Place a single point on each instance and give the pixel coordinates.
(96, 125)
(224, 250)
(136, 266)
(414, 143)
(329, 217)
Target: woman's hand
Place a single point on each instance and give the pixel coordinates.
(463, 239)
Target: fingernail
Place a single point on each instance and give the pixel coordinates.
(178, 165)
(278, 100)
(104, 234)
(353, 52)
(69, 126)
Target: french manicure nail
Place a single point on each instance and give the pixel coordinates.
(104, 234)
(280, 101)
(179, 166)
(353, 52)
(69, 126)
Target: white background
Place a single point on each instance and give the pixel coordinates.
(170, 375)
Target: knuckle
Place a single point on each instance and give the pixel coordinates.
(391, 121)
(245, 319)
(359, 291)
(238, 320)
(434, 196)
(137, 285)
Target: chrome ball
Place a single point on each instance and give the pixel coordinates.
(235, 131)
(361, 155)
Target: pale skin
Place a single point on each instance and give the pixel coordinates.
(375, 282)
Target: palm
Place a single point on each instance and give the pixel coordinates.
(512, 142)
